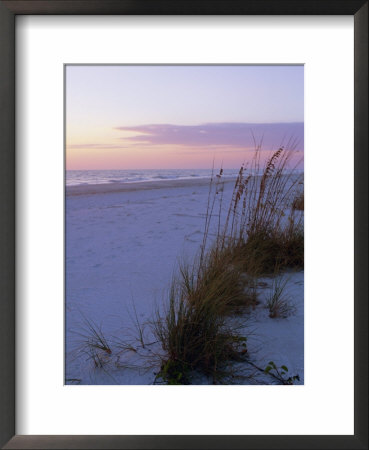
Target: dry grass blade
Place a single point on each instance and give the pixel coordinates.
(278, 303)
(94, 344)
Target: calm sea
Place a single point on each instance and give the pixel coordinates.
(78, 177)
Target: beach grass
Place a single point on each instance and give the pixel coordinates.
(196, 335)
(298, 202)
(264, 226)
(94, 344)
(262, 234)
(278, 302)
(265, 251)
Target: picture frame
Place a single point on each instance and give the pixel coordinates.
(8, 11)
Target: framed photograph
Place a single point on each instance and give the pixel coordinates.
(184, 225)
(206, 241)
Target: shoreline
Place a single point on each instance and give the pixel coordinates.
(108, 188)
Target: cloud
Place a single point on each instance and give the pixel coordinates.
(233, 134)
(97, 146)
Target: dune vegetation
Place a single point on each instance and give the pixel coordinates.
(262, 235)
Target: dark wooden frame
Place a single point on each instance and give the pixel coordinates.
(8, 11)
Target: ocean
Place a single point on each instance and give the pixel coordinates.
(85, 177)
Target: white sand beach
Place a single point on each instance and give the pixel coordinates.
(123, 244)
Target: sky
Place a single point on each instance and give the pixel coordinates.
(162, 117)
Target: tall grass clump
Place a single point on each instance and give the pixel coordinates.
(195, 334)
(198, 329)
(263, 227)
(260, 232)
(94, 344)
(278, 302)
(218, 278)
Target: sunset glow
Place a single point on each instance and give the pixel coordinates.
(150, 117)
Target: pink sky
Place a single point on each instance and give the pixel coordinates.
(142, 117)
